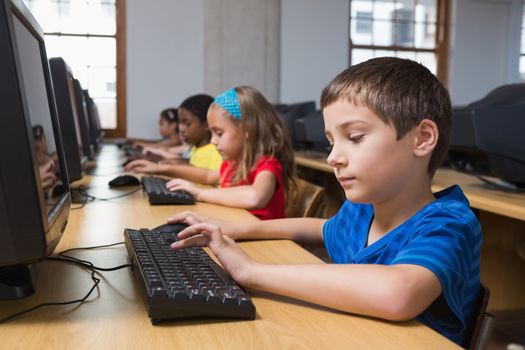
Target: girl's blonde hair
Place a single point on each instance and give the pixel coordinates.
(266, 136)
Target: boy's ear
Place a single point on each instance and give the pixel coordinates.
(426, 138)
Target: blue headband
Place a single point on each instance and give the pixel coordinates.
(230, 102)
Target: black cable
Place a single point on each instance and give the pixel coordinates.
(91, 247)
(89, 198)
(72, 259)
(85, 198)
(95, 279)
(83, 263)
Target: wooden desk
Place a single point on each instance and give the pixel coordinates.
(502, 218)
(115, 317)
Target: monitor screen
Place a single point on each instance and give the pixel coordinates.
(68, 117)
(83, 119)
(486, 138)
(76, 113)
(34, 190)
(45, 141)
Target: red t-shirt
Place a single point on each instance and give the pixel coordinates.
(275, 207)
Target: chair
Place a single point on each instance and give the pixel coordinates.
(307, 200)
(482, 323)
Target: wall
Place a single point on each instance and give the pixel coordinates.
(484, 47)
(289, 49)
(242, 41)
(314, 46)
(165, 59)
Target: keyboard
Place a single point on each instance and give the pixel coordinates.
(183, 284)
(155, 188)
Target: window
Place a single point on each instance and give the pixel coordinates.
(84, 34)
(414, 29)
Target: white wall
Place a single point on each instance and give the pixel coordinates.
(484, 47)
(314, 46)
(165, 59)
(242, 45)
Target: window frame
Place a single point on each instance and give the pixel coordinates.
(441, 45)
(120, 66)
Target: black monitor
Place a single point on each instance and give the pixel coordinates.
(487, 136)
(32, 215)
(95, 132)
(309, 133)
(89, 151)
(68, 117)
(290, 112)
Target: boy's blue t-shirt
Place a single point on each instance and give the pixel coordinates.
(444, 237)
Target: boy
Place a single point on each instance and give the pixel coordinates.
(399, 251)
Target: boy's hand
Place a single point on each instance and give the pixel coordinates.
(234, 260)
(142, 166)
(191, 218)
(180, 184)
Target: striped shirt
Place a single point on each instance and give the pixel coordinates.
(444, 237)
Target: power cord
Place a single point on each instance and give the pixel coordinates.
(80, 262)
(89, 198)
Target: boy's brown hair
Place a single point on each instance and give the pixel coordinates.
(401, 92)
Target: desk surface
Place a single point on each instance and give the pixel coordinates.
(115, 317)
(480, 195)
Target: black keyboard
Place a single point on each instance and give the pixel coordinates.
(183, 284)
(155, 188)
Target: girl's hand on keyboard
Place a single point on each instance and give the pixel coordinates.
(142, 166)
(234, 260)
(180, 184)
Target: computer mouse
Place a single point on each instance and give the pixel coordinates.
(124, 180)
(169, 228)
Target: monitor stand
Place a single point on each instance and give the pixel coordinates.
(17, 281)
(76, 196)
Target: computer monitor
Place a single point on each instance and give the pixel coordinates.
(309, 133)
(93, 119)
(32, 215)
(68, 117)
(486, 138)
(89, 151)
(290, 112)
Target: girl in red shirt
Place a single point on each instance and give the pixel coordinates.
(258, 165)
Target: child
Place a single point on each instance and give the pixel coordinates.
(399, 250)
(258, 165)
(204, 158)
(171, 147)
(168, 129)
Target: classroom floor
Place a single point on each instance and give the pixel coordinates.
(509, 329)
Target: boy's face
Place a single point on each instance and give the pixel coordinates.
(191, 129)
(369, 163)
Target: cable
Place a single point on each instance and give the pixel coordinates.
(96, 281)
(83, 263)
(90, 198)
(63, 257)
